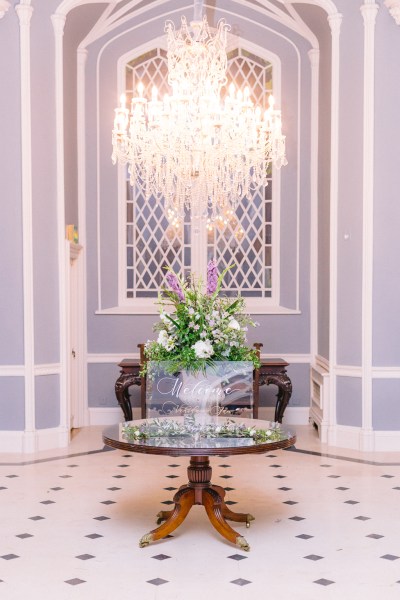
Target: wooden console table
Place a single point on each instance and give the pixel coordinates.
(272, 370)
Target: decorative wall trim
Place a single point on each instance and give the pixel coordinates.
(12, 370)
(348, 371)
(321, 361)
(313, 55)
(24, 12)
(58, 21)
(49, 369)
(335, 21)
(33, 441)
(394, 9)
(353, 438)
(386, 372)
(369, 11)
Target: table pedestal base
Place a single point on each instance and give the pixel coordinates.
(200, 491)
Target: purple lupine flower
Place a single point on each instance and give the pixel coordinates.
(174, 284)
(212, 277)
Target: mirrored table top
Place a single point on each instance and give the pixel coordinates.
(149, 436)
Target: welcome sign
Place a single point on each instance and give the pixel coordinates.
(225, 389)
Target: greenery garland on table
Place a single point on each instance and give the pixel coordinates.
(158, 428)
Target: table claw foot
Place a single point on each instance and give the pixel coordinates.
(145, 540)
(242, 543)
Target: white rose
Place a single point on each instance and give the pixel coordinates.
(163, 339)
(233, 324)
(203, 349)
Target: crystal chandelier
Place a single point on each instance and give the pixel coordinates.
(192, 149)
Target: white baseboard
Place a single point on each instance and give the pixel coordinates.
(23, 442)
(354, 438)
(294, 415)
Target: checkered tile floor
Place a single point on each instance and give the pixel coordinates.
(327, 526)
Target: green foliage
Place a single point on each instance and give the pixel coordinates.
(200, 329)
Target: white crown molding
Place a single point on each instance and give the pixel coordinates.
(394, 8)
(4, 6)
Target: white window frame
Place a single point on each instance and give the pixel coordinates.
(148, 305)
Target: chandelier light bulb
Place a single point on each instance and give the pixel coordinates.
(194, 150)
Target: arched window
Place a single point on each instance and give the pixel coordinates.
(244, 239)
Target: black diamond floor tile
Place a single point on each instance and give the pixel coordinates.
(172, 476)
(396, 488)
(102, 518)
(284, 489)
(114, 489)
(161, 556)
(12, 476)
(75, 581)
(241, 581)
(351, 502)
(123, 466)
(157, 581)
(36, 518)
(280, 476)
(47, 502)
(24, 536)
(108, 502)
(341, 488)
(170, 489)
(325, 465)
(388, 476)
(334, 476)
(324, 581)
(9, 556)
(290, 502)
(3, 488)
(174, 466)
(93, 536)
(167, 502)
(119, 476)
(390, 557)
(225, 466)
(297, 518)
(72, 466)
(361, 518)
(313, 557)
(237, 557)
(230, 502)
(304, 536)
(226, 476)
(229, 489)
(56, 489)
(65, 476)
(375, 536)
(85, 556)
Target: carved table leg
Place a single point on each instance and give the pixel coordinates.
(213, 504)
(200, 491)
(184, 500)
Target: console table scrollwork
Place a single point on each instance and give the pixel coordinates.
(272, 371)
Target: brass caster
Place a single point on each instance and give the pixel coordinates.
(242, 543)
(145, 540)
(249, 519)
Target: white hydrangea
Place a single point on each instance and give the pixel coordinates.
(165, 340)
(203, 349)
(233, 324)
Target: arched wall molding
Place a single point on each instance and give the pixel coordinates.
(245, 44)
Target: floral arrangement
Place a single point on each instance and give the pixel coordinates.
(203, 326)
(229, 429)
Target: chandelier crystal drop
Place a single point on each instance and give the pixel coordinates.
(192, 149)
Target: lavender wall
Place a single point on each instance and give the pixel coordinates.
(11, 274)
